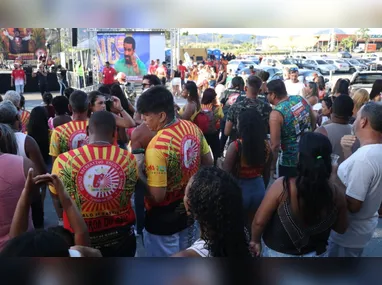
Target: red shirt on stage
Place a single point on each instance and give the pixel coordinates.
(109, 74)
(18, 75)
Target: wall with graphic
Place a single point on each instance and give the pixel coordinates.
(22, 43)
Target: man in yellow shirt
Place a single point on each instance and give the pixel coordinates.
(100, 178)
(173, 156)
(71, 135)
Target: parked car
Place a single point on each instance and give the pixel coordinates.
(355, 65)
(344, 54)
(319, 65)
(297, 61)
(358, 50)
(271, 70)
(306, 75)
(279, 63)
(365, 61)
(364, 79)
(255, 59)
(238, 65)
(339, 64)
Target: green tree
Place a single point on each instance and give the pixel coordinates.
(364, 34)
(167, 35)
(185, 34)
(220, 39)
(348, 43)
(253, 38)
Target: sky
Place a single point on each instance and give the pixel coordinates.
(271, 31)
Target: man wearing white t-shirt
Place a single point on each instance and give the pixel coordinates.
(361, 174)
(293, 85)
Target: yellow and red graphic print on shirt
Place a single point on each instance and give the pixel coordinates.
(172, 158)
(24, 119)
(69, 136)
(101, 181)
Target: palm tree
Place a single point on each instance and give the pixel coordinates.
(347, 43)
(220, 37)
(364, 34)
(196, 38)
(253, 38)
(185, 34)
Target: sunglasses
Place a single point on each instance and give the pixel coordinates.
(293, 69)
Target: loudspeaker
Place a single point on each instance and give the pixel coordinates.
(70, 65)
(74, 37)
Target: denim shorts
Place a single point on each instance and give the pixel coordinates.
(267, 252)
(165, 246)
(253, 190)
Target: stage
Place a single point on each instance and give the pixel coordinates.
(31, 86)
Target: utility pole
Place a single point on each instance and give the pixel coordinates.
(178, 47)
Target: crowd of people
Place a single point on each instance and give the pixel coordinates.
(277, 169)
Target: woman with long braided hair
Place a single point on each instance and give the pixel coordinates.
(214, 199)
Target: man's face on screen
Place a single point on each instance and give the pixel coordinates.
(129, 52)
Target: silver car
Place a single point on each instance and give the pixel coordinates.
(355, 65)
(339, 64)
(319, 65)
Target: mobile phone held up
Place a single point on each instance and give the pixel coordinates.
(109, 103)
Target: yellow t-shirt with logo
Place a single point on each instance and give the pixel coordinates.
(100, 180)
(68, 136)
(173, 157)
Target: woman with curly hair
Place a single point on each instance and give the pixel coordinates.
(214, 198)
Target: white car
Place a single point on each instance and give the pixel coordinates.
(237, 65)
(339, 64)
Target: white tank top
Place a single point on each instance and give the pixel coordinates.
(20, 139)
(198, 247)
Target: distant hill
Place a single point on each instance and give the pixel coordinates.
(232, 38)
(241, 38)
(329, 31)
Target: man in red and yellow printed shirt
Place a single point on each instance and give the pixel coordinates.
(101, 178)
(71, 135)
(173, 156)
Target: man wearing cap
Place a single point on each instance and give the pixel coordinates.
(252, 70)
(18, 78)
(108, 74)
(293, 85)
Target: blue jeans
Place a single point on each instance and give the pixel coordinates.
(267, 252)
(336, 250)
(20, 89)
(253, 191)
(139, 206)
(165, 246)
(63, 86)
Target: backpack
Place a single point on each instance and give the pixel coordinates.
(206, 121)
